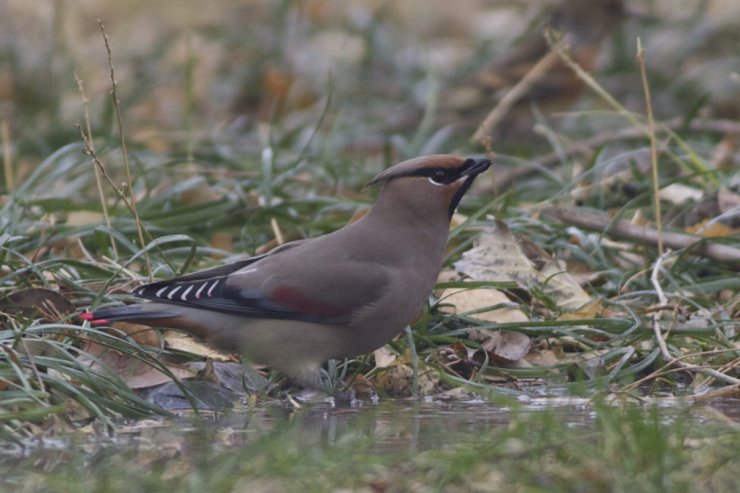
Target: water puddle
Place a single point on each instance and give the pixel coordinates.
(277, 433)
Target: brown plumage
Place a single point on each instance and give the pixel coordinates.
(338, 295)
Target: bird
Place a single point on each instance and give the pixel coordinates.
(582, 24)
(338, 295)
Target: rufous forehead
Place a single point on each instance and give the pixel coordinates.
(434, 161)
(409, 166)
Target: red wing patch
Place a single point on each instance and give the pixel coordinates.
(295, 300)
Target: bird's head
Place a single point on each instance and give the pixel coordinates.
(429, 183)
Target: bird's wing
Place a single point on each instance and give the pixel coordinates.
(331, 293)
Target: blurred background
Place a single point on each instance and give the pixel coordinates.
(190, 74)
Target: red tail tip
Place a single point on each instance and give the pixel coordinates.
(90, 317)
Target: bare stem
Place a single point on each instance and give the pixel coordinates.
(90, 145)
(124, 150)
(653, 145)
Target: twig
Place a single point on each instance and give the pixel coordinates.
(512, 96)
(91, 146)
(90, 151)
(124, 149)
(276, 231)
(653, 145)
(624, 229)
(663, 300)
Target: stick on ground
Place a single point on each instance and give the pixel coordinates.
(624, 229)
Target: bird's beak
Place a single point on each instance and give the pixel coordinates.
(477, 167)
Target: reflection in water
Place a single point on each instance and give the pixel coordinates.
(391, 427)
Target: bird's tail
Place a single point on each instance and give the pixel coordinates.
(139, 313)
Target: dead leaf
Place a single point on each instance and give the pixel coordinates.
(711, 230)
(398, 381)
(384, 357)
(361, 386)
(502, 346)
(37, 302)
(563, 287)
(460, 300)
(590, 310)
(499, 256)
(678, 193)
(136, 373)
(461, 360)
(543, 357)
(183, 342)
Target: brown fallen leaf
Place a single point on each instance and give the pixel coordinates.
(592, 309)
(34, 303)
(183, 342)
(384, 357)
(37, 303)
(398, 381)
(542, 357)
(500, 256)
(136, 373)
(503, 346)
(361, 386)
(461, 360)
(678, 193)
(709, 229)
(460, 301)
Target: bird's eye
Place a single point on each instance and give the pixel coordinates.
(439, 177)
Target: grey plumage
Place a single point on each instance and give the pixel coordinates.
(338, 295)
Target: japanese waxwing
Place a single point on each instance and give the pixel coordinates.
(338, 295)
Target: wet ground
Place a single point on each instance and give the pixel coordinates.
(391, 425)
